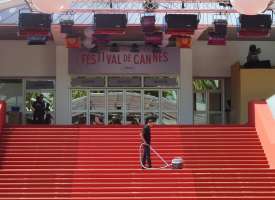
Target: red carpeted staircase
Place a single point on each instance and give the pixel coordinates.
(65, 163)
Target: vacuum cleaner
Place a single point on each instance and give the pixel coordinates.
(176, 163)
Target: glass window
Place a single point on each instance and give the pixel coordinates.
(200, 118)
(79, 118)
(11, 92)
(79, 100)
(115, 118)
(169, 118)
(206, 84)
(133, 100)
(161, 81)
(169, 100)
(133, 118)
(152, 114)
(215, 101)
(200, 101)
(215, 118)
(97, 100)
(40, 84)
(97, 118)
(29, 118)
(124, 81)
(49, 118)
(151, 100)
(88, 82)
(31, 98)
(115, 100)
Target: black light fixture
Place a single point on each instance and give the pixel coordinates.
(148, 23)
(111, 4)
(66, 26)
(37, 40)
(114, 47)
(134, 48)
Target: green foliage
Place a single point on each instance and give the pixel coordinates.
(31, 97)
(170, 94)
(201, 85)
(152, 93)
(78, 93)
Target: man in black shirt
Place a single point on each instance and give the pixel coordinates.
(39, 108)
(146, 139)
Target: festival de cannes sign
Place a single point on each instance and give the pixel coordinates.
(124, 62)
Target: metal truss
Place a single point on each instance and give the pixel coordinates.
(135, 6)
(83, 10)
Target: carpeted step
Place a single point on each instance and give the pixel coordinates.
(65, 163)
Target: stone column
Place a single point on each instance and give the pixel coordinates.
(186, 87)
(62, 86)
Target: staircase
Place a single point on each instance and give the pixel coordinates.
(80, 163)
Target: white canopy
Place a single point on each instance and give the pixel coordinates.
(4, 4)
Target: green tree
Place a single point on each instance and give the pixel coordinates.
(78, 93)
(201, 85)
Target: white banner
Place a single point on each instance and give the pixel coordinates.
(124, 62)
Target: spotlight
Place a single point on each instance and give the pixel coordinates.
(148, 23)
(134, 48)
(73, 41)
(114, 48)
(220, 27)
(67, 26)
(37, 40)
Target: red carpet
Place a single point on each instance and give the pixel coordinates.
(103, 163)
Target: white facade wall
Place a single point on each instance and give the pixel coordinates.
(215, 61)
(17, 59)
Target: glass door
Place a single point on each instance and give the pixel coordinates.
(97, 107)
(115, 106)
(169, 106)
(200, 107)
(79, 106)
(151, 104)
(208, 102)
(30, 98)
(11, 91)
(34, 89)
(133, 106)
(215, 106)
(123, 106)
